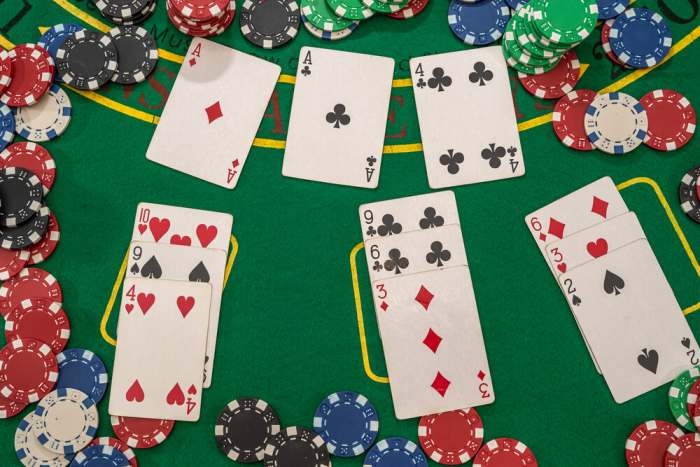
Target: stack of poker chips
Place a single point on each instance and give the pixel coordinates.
(126, 13)
(201, 18)
(689, 195)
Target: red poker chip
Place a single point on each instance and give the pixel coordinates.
(410, 10)
(29, 283)
(696, 415)
(10, 408)
(40, 319)
(12, 262)
(5, 70)
(203, 28)
(555, 83)
(141, 433)
(505, 452)
(32, 157)
(568, 119)
(117, 444)
(199, 10)
(693, 397)
(605, 41)
(451, 438)
(646, 445)
(684, 452)
(47, 245)
(671, 119)
(28, 370)
(32, 75)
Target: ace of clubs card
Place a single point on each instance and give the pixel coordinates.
(213, 113)
(338, 117)
(466, 117)
(159, 359)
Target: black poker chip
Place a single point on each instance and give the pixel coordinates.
(122, 9)
(269, 23)
(688, 194)
(297, 446)
(26, 234)
(21, 193)
(87, 59)
(244, 427)
(137, 54)
(137, 18)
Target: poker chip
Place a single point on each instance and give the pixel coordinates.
(678, 395)
(12, 262)
(116, 444)
(671, 119)
(516, 4)
(9, 408)
(137, 18)
(32, 157)
(121, 8)
(86, 59)
(28, 370)
(478, 23)
(5, 70)
(54, 37)
(608, 9)
(66, 421)
(141, 433)
(7, 126)
(200, 10)
(32, 74)
(47, 245)
(29, 283)
(83, 370)
(616, 123)
(27, 234)
(207, 28)
(687, 193)
(297, 446)
(137, 54)
(555, 83)
(504, 451)
(451, 438)
(527, 38)
(318, 13)
(640, 38)
(102, 455)
(646, 445)
(28, 450)
(568, 116)
(244, 427)
(46, 120)
(605, 43)
(684, 451)
(347, 422)
(21, 193)
(564, 21)
(393, 452)
(692, 398)
(351, 9)
(40, 319)
(411, 9)
(385, 8)
(325, 35)
(270, 24)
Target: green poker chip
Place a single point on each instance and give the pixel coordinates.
(525, 37)
(351, 9)
(385, 8)
(319, 14)
(527, 69)
(511, 44)
(678, 397)
(565, 22)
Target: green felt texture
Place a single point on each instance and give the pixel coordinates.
(288, 330)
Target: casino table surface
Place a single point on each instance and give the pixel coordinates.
(297, 320)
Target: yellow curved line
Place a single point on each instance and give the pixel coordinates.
(120, 278)
(360, 317)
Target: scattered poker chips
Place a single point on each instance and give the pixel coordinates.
(41, 251)
(39, 319)
(32, 74)
(137, 54)
(647, 444)
(30, 282)
(201, 18)
(7, 126)
(244, 427)
(54, 37)
(555, 83)
(83, 370)
(26, 234)
(568, 116)
(28, 370)
(116, 444)
(100, 454)
(688, 194)
(678, 394)
(616, 123)
(478, 23)
(126, 12)
(505, 451)
(273, 23)
(86, 59)
(297, 446)
(451, 438)
(30, 452)
(141, 433)
(348, 423)
(395, 451)
(66, 421)
(684, 451)
(21, 193)
(640, 38)
(32, 157)
(5, 70)
(46, 120)
(671, 119)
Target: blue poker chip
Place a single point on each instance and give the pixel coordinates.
(478, 23)
(395, 452)
(7, 126)
(516, 4)
(611, 8)
(83, 370)
(640, 38)
(347, 422)
(54, 37)
(100, 455)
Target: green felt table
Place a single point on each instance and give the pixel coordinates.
(293, 324)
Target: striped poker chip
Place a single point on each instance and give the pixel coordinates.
(671, 118)
(28, 370)
(616, 123)
(21, 193)
(555, 83)
(232, 430)
(11, 263)
(40, 319)
(410, 10)
(647, 444)
(46, 120)
(123, 9)
(100, 454)
(5, 70)
(47, 245)
(605, 42)
(86, 59)
(451, 438)
(7, 126)
(505, 451)
(141, 433)
(28, 450)
(325, 35)
(567, 119)
(66, 421)
(26, 234)
(678, 397)
(348, 423)
(683, 452)
(29, 283)
(200, 10)
(32, 157)
(395, 451)
(640, 38)
(37, 75)
(296, 445)
(137, 54)
(273, 23)
(688, 194)
(9, 408)
(117, 444)
(83, 370)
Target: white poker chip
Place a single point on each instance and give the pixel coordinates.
(46, 120)
(616, 123)
(66, 421)
(30, 452)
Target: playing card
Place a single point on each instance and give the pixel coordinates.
(213, 112)
(631, 319)
(338, 117)
(466, 117)
(401, 215)
(432, 340)
(182, 263)
(593, 242)
(414, 252)
(182, 226)
(159, 359)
